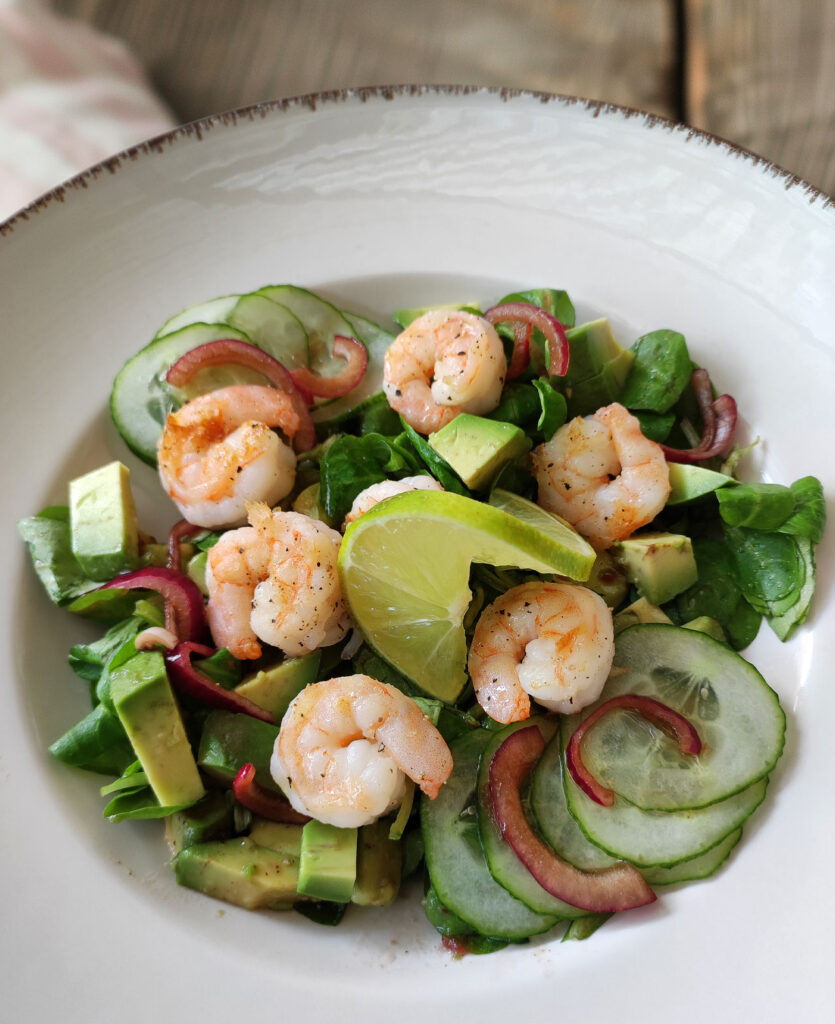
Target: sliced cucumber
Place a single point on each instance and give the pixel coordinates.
(454, 857)
(504, 865)
(268, 324)
(215, 311)
(736, 713)
(376, 341)
(320, 319)
(699, 867)
(141, 399)
(660, 838)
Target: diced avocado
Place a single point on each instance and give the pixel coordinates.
(660, 565)
(143, 700)
(308, 503)
(639, 611)
(688, 482)
(277, 836)
(705, 624)
(240, 871)
(592, 346)
(608, 579)
(328, 862)
(229, 741)
(196, 570)
(477, 448)
(211, 818)
(403, 317)
(103, 526)
(274, 688)
(378, 866)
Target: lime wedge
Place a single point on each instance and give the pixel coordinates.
(405, 569)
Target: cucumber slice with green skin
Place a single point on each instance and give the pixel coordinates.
(454, 857)
(697, 868)
(267, 324)
(659, 838)
(376, 341)
(321, 321)
(215, 311)
(502, 861)
(141, 399)
(735, 712)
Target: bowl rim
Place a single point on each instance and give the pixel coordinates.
(157, 144)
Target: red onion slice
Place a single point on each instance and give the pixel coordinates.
(182, 598)
(178, 532)
(674, 724)
(534, 316)
(356, 362)
(719, 418)
(242, 353)
(620, 887)
(262, 801)
(185, 677)
(521, 350)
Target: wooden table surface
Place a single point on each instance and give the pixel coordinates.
(760, 73)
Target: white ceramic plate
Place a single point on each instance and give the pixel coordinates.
(384, 199)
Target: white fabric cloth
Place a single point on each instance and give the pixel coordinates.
(69, 97)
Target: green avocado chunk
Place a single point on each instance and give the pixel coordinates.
(240, 871)
(379, 862)
(598, 367)
(103, 525)
(328, 862)
(688, 482)
(705, 624)
(143, 700)
(209, 819)
(477, 448)
(660, 565)
(274, 688)
(639, 611)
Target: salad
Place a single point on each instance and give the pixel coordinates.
(462, 600)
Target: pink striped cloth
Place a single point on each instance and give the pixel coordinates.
(69, 97)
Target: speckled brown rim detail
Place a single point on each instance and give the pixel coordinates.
(230, 118)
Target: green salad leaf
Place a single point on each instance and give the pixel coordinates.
(660, 373)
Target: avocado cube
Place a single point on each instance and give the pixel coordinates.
(660, 565)
(104, 531)
(143, 700)
(705, 624)
(688, 482)
(240, 871)
(477, 448)
(276, 835)
(378, 866)
(328, 862)
(274, 688)
(639, 611)
(592, 346)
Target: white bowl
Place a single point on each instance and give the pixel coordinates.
(380, 199)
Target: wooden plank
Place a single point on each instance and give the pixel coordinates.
(206, 57)
(761, 73)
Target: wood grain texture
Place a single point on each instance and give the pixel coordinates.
(762, 74)
(209, 56)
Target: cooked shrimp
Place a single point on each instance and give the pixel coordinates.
(346, 745)
(373, 495)
(276, 581)
(602, 475)
(550, 641)
(444, 363)
(218, 451)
